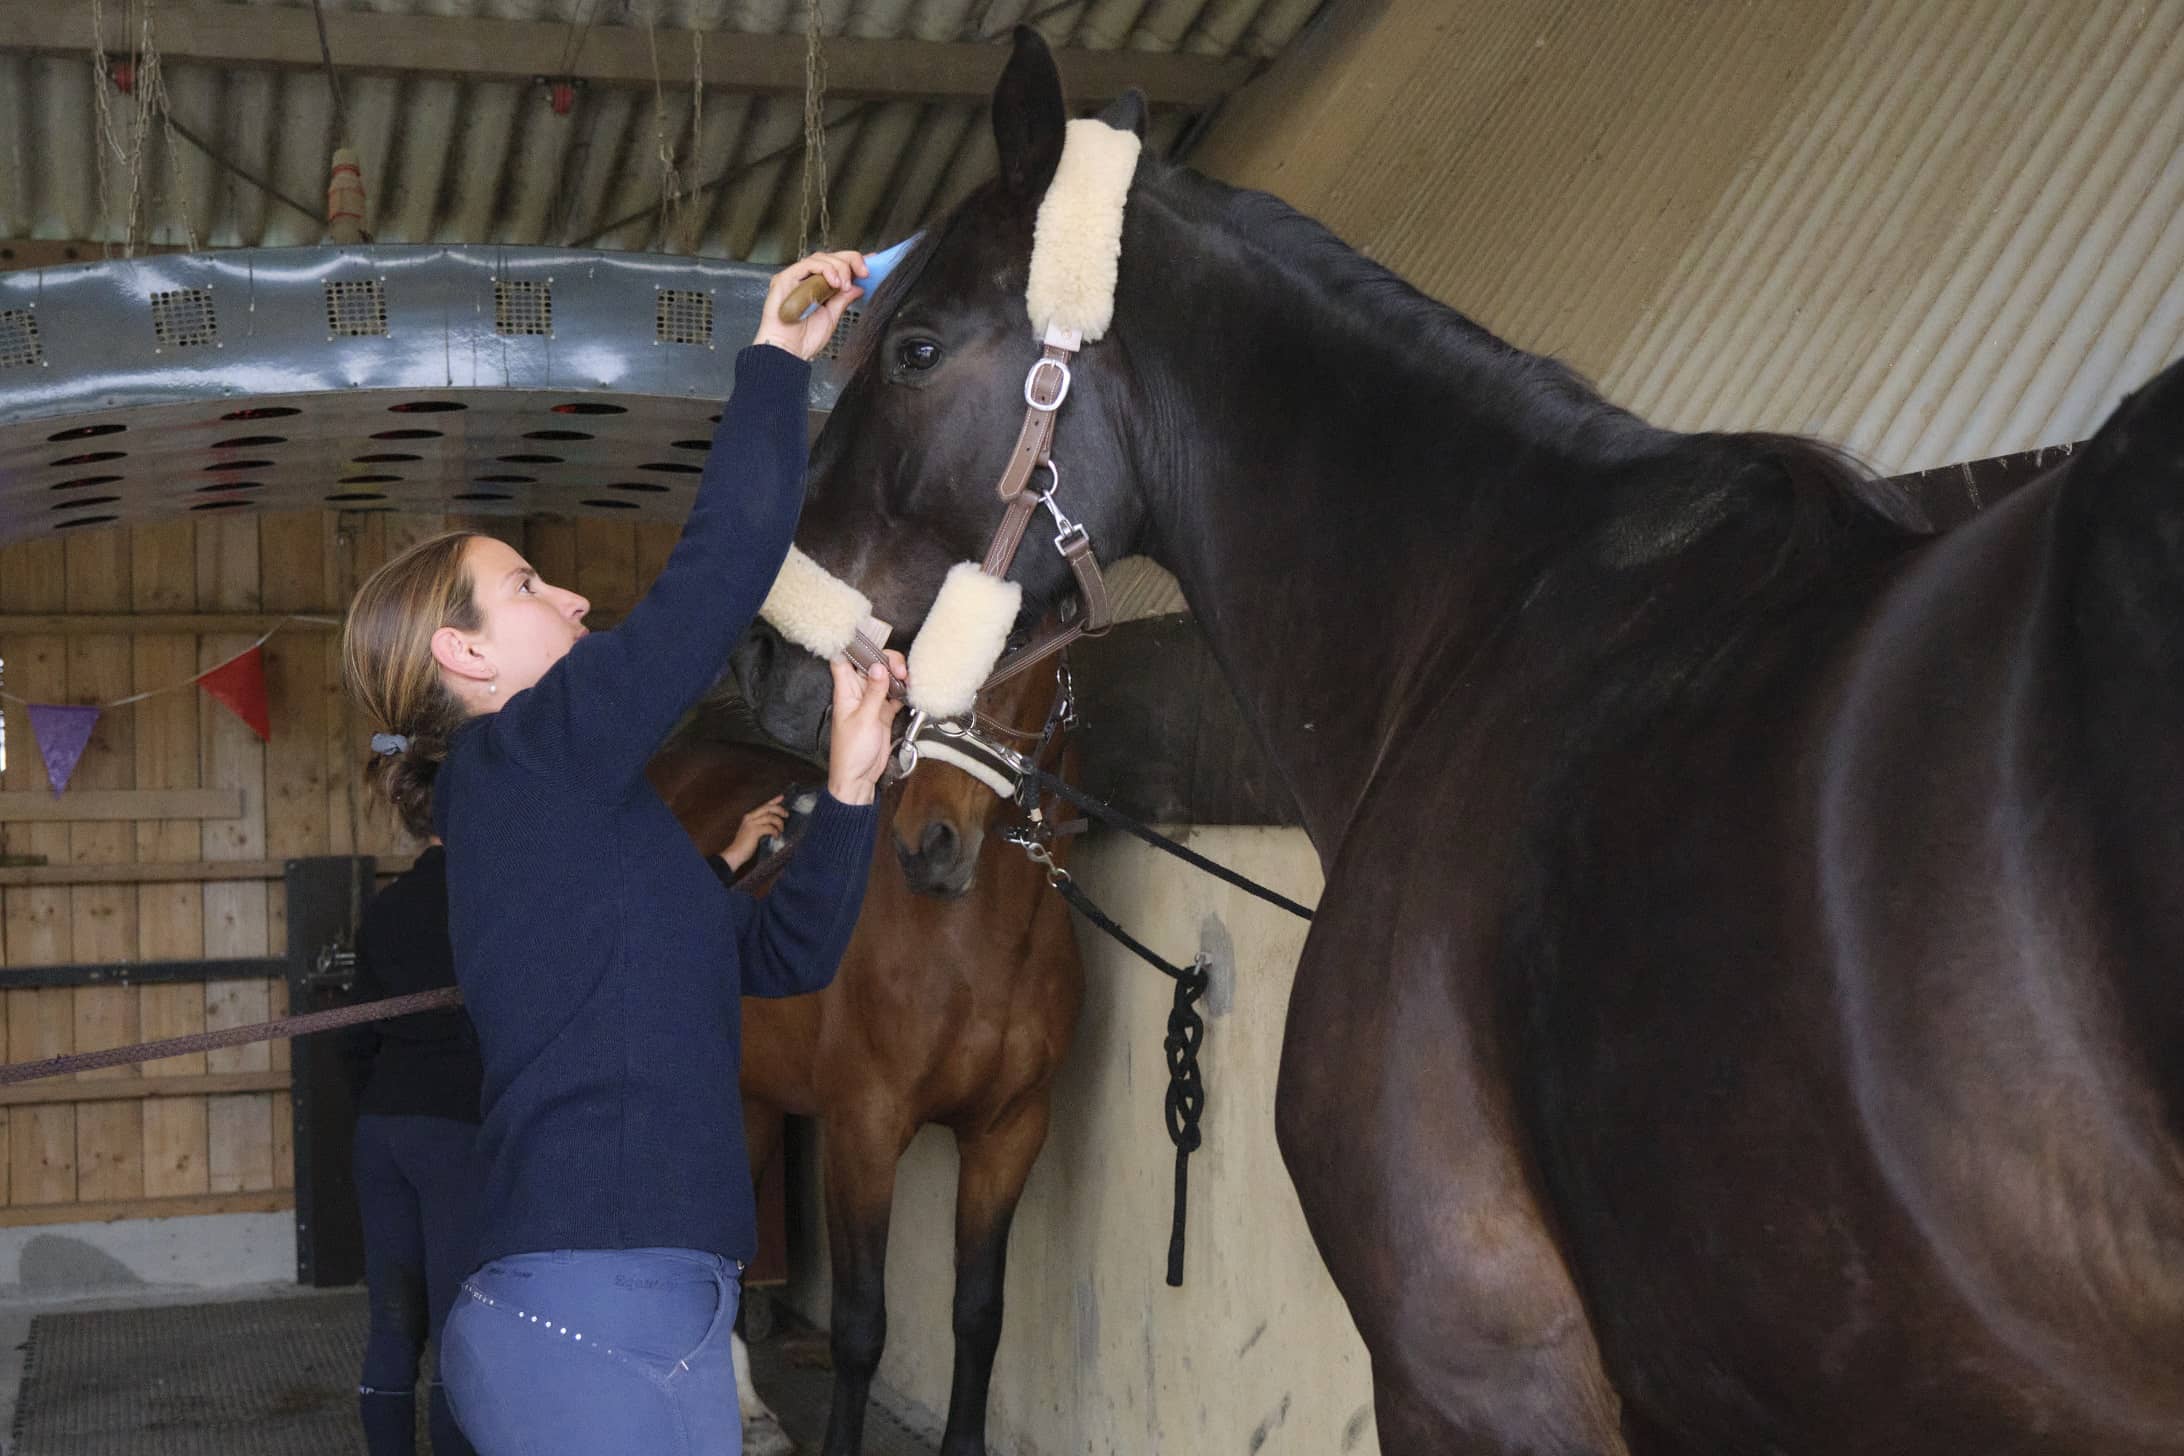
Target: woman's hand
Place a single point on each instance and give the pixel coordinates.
(809, 335)
(864, 716)
(767, 818)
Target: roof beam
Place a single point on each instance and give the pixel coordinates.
(57, 252)
(211, 33)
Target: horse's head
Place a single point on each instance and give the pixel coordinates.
(903, 477)
(943, 814)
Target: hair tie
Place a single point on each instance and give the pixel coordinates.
(389, 744)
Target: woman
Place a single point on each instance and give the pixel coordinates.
(600, 958)
(416, 1153)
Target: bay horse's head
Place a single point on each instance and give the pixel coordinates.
(943, 813)
(903, 478)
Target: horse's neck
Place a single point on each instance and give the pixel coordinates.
(1337, 508)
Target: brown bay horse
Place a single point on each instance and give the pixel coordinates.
(1743, 1014)
(955, 1004)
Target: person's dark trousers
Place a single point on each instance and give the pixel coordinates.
(418, 1181)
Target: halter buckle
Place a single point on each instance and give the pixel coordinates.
(1031, 381)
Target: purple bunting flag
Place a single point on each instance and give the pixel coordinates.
(62, 733)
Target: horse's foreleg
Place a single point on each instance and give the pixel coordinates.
(861, 1149)
(995, 1161)
(1414, 1184)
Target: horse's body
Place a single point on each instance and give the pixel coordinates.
(1742, 1014)
(955, 1004)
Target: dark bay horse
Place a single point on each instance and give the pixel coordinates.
(1743, 1014)
(955, 1004)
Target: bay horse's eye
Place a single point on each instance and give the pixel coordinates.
(915, 356)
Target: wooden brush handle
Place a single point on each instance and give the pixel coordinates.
(813, 290)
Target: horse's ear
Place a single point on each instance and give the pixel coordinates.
(1028, 116)
(1126, 112)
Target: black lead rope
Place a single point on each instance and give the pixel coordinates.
(1161, 841)
(1186, 1033)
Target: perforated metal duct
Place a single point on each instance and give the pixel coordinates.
(472, 380)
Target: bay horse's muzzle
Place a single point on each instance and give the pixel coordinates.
(944, 861)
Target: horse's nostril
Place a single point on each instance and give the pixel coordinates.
(939, 843)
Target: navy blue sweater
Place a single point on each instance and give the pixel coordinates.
(600, 958)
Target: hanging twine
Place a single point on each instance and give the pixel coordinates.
(670, 178)
(102, 84)
(815, 136)
(147, 89)
(694, 217)
(153, 83)
(192, 681)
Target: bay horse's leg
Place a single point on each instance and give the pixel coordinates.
(861, 1148)
(995, 1161)
(1401, 1144)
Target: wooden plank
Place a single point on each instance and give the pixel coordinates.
(239, 1128)
(298, 693)
(284, 1107)
(171, 913)
(41, 1141)
(142, 1089)
(67, 624)
(521, 51)
(550, 547)
(606, 563)
(33, 922)
(59, 252)
(31, 1215)
(163, 579)
(180, 872)
(655, 542)
(93, 805)
(109, 1135)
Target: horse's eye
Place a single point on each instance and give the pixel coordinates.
(915, 356)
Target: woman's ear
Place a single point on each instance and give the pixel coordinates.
(455, 654)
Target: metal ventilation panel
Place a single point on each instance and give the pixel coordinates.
(525, 381)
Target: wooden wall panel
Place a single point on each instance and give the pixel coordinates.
(170, 917)
(39, 927)
(189, 1148)
(103, 918)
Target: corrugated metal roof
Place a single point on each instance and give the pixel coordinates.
(489, 161)
(1935, 232)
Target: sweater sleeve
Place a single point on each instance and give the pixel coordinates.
(791, 942)
(598, 714)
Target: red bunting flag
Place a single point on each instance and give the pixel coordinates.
(62, 733)
(240, 684)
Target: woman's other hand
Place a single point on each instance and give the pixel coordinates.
(864, 717)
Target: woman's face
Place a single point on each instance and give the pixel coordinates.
(529, 626)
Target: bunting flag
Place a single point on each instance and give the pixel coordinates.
(62, 733)
(239, 683)
(63, 730)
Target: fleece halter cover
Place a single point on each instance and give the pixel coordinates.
(1070, 296)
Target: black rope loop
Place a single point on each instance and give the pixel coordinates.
(1186, 1096)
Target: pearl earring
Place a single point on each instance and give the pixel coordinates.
(492, 687)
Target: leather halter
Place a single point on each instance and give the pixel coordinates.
(1045, 389)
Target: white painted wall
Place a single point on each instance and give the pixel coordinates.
(208, 1252)
(1255, 1352)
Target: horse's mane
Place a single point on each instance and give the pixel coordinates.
(1680, 546)
(1764, 518)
